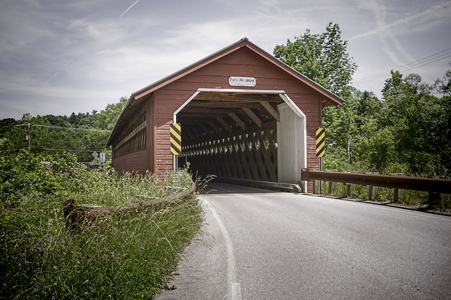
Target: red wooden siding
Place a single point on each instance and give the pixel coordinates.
(164, 97)
(136, 161)
(243, 62)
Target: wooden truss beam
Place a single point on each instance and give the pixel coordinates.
(253, 116)
(224, 123)
(238, 120)
(272, 111)
(222, 104)
(238, 97)
(213, 125)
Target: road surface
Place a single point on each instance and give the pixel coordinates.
(259, 244)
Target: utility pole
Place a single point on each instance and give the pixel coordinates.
(29, 137)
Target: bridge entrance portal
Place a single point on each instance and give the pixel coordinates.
(243, 134)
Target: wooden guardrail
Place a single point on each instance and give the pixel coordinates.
(82, 216)
(434, 186)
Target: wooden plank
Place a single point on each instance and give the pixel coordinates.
(251, 159)
(238, 120)
(225, 162)
(199, 116)
(206, 130)
(389, 181)
(254, 117)
(272, 111)
(242, 97)
(242, 158)
(237, 155)
(222, 104)
(272, 136)
(224, 124)
(258, 155)
(207, 110)
(266, 157)
(230, 159)
(213, 125)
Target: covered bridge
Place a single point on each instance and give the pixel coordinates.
(243, 113)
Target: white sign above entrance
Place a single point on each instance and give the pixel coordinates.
(242, 81)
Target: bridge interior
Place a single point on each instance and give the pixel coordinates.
(231, 134)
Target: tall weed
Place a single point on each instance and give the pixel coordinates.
(126, 257)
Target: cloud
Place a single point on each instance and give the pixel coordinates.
(420, 20)
(388, 32)
(130, 7)
(79, 52)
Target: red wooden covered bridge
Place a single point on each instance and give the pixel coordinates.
(243, 113)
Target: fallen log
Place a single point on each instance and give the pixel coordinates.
(79, 217)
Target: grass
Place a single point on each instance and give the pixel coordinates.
(127, 257)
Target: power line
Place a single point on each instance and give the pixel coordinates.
(62, 150)
(418, 63)
(71, 150)
(60, 127)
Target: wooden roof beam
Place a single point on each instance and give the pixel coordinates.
(213, 125)
(204, 110)
(199, 115)
(237, 97)
(205, 129)
(272, 111)
(238, 120)
(222, 104)
(254, 117)
(224, 123)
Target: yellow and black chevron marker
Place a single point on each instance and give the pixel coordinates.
(320, 142)
(176, 139)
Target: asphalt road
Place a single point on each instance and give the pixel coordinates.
(258, 244)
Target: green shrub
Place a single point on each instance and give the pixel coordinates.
(126, 257)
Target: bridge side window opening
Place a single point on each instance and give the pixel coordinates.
(134, 137)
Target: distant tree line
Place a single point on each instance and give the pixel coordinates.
(407, 131)
(82, 133)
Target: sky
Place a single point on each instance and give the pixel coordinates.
(59, 57)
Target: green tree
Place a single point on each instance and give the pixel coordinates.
(107, 117)
(11, 136)
(347, 125)
(443, 86)
(420, 123)
(81, 133)
(321, 57)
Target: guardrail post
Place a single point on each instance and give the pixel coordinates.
(395, 195)
(349, 190)
(331, 183)
(434, 199)
(314, 182)
(435, 186)
(370, 192)
(331, 187)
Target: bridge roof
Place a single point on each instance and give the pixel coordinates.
(139, 97)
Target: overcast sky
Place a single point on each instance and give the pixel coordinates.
(59, 57)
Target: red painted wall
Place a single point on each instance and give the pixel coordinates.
(136, 161)
(243, 62)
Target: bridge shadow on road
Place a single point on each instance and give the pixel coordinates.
(220, 188)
